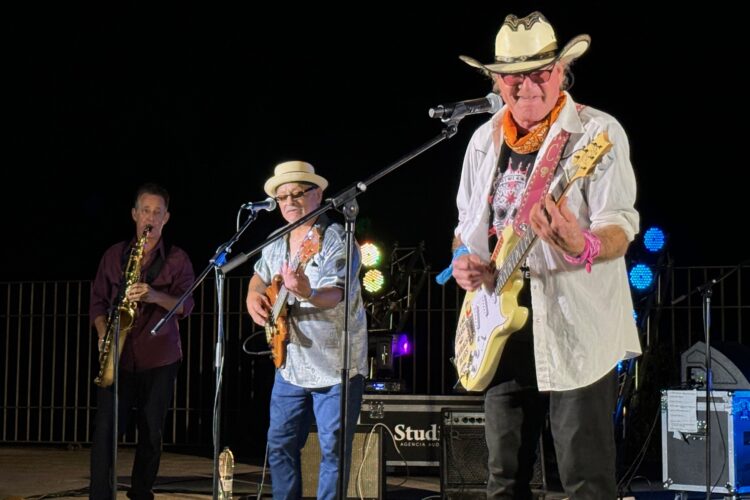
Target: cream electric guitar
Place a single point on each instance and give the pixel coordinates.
(487, 318)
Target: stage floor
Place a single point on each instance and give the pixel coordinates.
(56, 472)
(43, 472)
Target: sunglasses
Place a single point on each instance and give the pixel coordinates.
(295, 195)
(536, 76)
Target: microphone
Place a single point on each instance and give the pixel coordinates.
(457, 110)
(267, 204)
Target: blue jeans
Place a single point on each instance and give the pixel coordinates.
(292, 412)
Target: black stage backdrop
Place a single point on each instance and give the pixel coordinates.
(206, 100)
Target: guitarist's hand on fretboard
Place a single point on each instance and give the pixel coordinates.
(296, 281)
(471, 272)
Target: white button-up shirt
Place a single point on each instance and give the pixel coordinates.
(583, 323)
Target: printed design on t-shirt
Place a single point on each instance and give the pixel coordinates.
(508, 190)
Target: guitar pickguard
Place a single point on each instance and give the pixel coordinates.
(483, 316)
(487, 320)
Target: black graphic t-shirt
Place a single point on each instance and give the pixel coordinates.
(510, 181)
(505, 197)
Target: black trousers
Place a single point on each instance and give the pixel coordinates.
(151, 393)
(581, 422)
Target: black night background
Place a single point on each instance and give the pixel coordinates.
(207, 100)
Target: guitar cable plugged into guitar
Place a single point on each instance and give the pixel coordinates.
(247, 350)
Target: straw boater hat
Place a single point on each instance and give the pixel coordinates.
(527, 44)
(293, 171)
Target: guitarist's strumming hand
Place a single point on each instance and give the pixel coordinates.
(557, 226)
(471, 272)
(257, 302)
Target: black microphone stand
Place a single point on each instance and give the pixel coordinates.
(114, 318)
(345, 202)
(706, 291)
(116, 389)
(216, 262)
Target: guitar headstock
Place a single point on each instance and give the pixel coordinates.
(587, 158)
(310, 246)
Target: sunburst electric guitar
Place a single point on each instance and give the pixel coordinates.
(489, 317)
(277, 327)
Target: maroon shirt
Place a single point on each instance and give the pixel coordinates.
(143, 351)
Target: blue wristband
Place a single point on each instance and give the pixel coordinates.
(444, 276)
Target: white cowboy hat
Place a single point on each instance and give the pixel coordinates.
(293, 171)
(529, 43)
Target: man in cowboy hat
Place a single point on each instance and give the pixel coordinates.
(515, 169)
(308, 382)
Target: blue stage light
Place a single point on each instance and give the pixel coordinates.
(641, 277)
(653, 239)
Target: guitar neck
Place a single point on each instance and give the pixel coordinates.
(281, 299)
(283, 295)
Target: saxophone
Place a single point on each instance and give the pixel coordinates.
(126, 310)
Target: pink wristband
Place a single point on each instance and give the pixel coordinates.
(590, 251)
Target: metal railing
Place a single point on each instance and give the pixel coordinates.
(47, 350)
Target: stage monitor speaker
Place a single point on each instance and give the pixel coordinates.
(371, 472)
(463, 467)
(730, 365)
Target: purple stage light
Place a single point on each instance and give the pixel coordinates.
(401, 345)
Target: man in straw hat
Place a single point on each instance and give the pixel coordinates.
(514, 169)
(308, 384)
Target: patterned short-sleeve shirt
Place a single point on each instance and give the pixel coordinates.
(314, 350)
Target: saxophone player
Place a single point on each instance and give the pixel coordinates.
(148, 364)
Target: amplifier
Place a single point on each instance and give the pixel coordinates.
(464, 452)
(414, 421)
(366, 468)
(683, 439)
(463, 470)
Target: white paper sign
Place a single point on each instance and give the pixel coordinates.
(682, 411)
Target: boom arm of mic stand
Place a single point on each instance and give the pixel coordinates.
(451, 128)
(709, 284)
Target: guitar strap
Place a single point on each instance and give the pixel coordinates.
(541, 178)
(536, 187)
(322, 224)
(538, 184)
